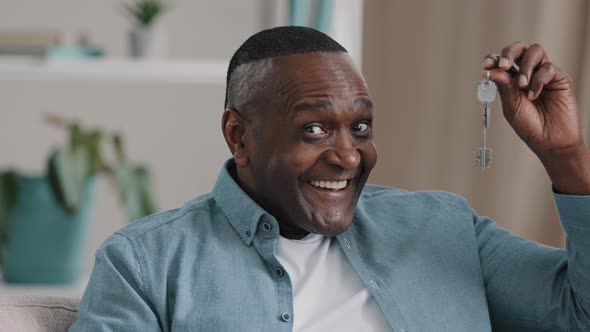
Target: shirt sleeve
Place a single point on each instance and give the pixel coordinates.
(115, 298)
(532, 287)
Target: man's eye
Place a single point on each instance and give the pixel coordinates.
(360, 127)
(315, 130)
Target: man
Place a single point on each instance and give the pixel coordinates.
(292, 239)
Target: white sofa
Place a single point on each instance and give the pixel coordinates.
(37, 313)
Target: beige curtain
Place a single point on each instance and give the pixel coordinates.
(421, 60)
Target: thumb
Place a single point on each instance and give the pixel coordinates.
(507, 88)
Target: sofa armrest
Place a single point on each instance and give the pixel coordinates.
(38, 313)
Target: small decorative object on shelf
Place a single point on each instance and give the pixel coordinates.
(74, 47)
(44, 219)
(146, 38)
(46, 44)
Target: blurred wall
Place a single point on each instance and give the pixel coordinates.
(422, 59)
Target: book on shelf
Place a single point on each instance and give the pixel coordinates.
(46, 44)
(27, 43)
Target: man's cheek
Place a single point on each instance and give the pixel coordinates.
(301, 158)
(369, 155)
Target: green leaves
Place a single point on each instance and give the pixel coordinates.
(8, 191)
(67, 173)
(145, 11)
(69, 169)
(89, 141)
(133, 184)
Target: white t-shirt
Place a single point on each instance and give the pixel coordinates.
(328, 295)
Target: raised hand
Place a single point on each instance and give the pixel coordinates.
(540, 105)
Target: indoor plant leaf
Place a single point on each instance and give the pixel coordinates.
(143, 185)
(145, 12)
(91, 143)
(118, 147)
(8, 192)
(133, 185)
(67, 174)
(76, 135)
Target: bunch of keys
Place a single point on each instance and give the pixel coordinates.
(486, 94)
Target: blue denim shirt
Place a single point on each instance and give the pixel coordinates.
(429, 260)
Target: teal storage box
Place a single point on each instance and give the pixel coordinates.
(45, 243)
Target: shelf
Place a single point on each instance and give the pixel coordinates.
(115, 71)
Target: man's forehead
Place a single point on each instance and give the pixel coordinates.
(304, 63)
(287, 79)
(313, 70)
(299, 66)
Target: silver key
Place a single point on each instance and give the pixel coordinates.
(486, 94)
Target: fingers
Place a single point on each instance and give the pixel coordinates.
(532, 61)
(542, 77)
(505, 82)
(502, 78)
(534, 57)
(511, 54)
(517, 54)
(490, 61)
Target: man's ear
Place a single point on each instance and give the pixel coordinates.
(234, 132)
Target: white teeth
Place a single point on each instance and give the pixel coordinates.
(337, 185)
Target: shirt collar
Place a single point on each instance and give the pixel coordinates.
(241, 211)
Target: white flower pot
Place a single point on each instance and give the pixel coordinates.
(147, 42)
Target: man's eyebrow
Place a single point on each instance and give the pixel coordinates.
(322, 104)
(364, 101)
(326, 105)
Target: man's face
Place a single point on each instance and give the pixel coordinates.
(310, 148)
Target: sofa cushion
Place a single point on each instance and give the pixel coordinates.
(37, 313)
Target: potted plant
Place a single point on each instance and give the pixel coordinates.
(43, 219)
(145, 39)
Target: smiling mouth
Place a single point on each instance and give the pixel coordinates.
(332, 185)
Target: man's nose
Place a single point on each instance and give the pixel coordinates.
(344, 154)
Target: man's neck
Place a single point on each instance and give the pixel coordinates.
(286, 230)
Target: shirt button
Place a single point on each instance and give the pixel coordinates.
(267, 227)
(286, 316)
(373, 284)
(346, 243)
(248, 233)
(278, 272)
